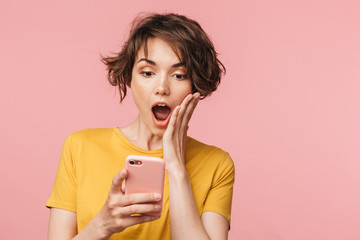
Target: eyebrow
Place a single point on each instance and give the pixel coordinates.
(180, 64)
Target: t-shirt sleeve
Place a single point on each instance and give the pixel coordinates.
(63, 194)
(219, 197)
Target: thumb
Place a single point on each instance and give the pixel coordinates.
(117, 181)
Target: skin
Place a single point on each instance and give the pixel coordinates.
(160, 79)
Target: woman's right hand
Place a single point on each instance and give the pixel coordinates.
(117, 213)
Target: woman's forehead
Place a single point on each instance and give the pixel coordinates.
(154, 46)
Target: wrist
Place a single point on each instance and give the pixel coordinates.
(94, 230)
(100, 228)
(175, 168)
(177, 172)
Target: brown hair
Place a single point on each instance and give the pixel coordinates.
(189, 42)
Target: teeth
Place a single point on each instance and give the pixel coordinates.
(161, 105)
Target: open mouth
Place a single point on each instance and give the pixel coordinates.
(161, 113)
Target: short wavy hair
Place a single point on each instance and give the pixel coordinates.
(188, 40)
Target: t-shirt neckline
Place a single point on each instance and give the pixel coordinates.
(140, 150)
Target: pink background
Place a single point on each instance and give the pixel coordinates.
(287, 111)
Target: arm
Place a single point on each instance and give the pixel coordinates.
(115, 215)
(185, 222)
(215, 225)
(62, 224)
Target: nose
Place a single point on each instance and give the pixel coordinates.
(162, 86)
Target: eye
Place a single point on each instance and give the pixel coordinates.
(147, 74)
(180, 76)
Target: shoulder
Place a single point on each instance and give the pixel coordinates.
(208, 153)
(90, 137)
(91, 133)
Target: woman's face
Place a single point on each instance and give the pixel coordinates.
(159, 83)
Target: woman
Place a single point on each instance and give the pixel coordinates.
(169, 63)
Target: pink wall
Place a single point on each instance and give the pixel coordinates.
(287, 110)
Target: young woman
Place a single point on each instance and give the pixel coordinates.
(169, 64)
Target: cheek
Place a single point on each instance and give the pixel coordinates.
(137, 88)
(185, 90)
(137, 93)
(188, 88)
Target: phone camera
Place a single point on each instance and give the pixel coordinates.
(131, 162)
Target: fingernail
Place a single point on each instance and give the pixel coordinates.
(157, 207)
(157, 196)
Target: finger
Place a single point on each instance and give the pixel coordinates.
(184, 104)
(123, 187)
(136, 198)
(133, 220)
(147, 209)
(172, 122)
(117, 181)
(190, 110)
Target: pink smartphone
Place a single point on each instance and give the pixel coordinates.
(145, 174)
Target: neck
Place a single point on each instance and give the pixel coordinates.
(141, 136)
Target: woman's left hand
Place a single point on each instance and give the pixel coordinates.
(174, 139)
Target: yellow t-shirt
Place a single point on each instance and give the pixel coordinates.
(91, 158)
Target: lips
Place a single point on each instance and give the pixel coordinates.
(161, 114)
